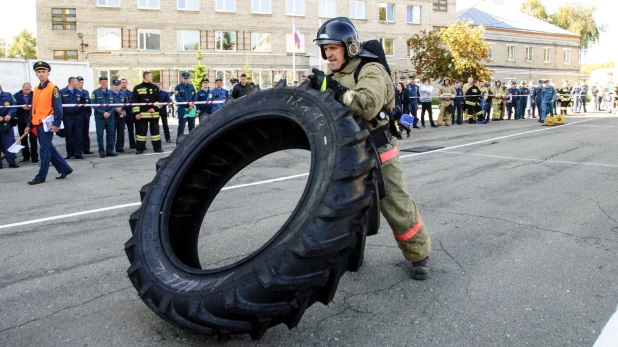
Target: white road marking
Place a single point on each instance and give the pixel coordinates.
(533, 160)
(609, 335)
(493, 139)
(134, 204)
(34, 221)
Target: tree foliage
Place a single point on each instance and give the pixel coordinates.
(2, 48)
(456, 51)
(574, 17)
(586, 69)
(200, 70)
(247, 70)
(24, 46)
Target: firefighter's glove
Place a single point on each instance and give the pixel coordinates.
(322, 82)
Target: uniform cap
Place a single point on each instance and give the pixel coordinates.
(116, 82)
(402, 77)
(103, 78)
(205, 80)
(540, 81)
(218, 79)
(185, 75)
(545, 81)
(80, 78)
(234, 80)
(411, 76)
(41, 65)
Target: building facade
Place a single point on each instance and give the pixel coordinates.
(525, 48)
(122, 38)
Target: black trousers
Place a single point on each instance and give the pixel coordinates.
(426, 106)
(32, 151)
(86, 129)
(130, 120)
(475, 110)
(119, 123)
(166, 128)
(141, 135)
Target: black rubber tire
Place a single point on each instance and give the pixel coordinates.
(322, 239)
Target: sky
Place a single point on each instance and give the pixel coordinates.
(23, 16)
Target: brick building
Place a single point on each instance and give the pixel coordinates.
(524, 47)
(121, 38)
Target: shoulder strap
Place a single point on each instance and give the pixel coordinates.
(358, 69)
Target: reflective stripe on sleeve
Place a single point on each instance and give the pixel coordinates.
(410, 233)
(386, 156)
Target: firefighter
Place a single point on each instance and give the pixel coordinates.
(473, 103)
(564, 97)
(146, 116)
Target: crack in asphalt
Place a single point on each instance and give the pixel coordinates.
(605, 212)
(64, 309)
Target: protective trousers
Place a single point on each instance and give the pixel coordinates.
(474, 112)
(399, 209)
(141, 131)
(443, 116)
(495, 107)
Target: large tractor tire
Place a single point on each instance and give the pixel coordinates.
(303, 262)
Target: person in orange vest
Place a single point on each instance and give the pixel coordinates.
(45, 102)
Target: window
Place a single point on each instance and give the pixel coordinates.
(108, 3)
(65, 55)
(386, 12)
(110, 74)
(64, 19)
(148, 4)
(226, 76)
(358, 9)
(567, 57)
(261, 6)
(225, 40)
(410, 51)
(189, 5)
(188, 40)
(263, 78)
(440, 5)
(109, 39)
(414, 15)
(510, 53)
(191, 75)
(328, 8)
(295, 7)
(226, 5)
(529, 54)
(491, 52)
(387, 44)
(547, 55)
(290, 45)
(291, 77)
(260, 42)
(149, 40)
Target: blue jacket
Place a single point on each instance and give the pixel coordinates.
(548, 94)
(524, 92)
(163, 98)
(413, 92)
(128, 95)
(184, 93)
(217, 95)
(71, 97)
(458, 96)
(21, 99)
(100, 97)
(6, 99)
(119, 98)
(203, 95)
(536, 93)
(513, 95)
(86, 111)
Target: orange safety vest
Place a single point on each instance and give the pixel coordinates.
(42, 103)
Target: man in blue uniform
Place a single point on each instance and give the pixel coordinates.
(203, 110)
(45, 102)
(24, 97)
(104, 118)
(129, 119)
(164, 98)
(513, 100)
(119, 115)
(185, 92)
(524, 93)
(547, 99)
(536, 98)
(8, 119)
(414, 94)
(217, 94)
(86, 113)
(72, 118)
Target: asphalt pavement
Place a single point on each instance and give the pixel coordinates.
(523, 220)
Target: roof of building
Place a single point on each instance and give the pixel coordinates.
(502, 17)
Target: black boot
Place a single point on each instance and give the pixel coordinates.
(420, 269)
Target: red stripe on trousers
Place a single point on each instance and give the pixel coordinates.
(386, 156)
(410, 233)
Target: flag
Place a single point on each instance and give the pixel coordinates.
(296, 35)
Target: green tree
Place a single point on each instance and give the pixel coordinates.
(248, 70)
(200, 70)
(574, 17)
(468, 50)
(24, 46)
(2, 48)
(430, 56)
(586, 69)
(535, 8)
(228, 44)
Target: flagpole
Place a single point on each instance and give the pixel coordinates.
(294, 50)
